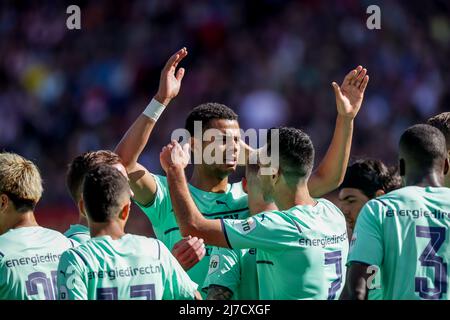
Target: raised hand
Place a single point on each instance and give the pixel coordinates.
(189, 251)
(170, 81)
(173, 155)
(350, 94)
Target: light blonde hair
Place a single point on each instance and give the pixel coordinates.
(20, 178)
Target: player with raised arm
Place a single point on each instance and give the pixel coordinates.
(366, 180)
(442, 122)
(208, 185)
(301, 247)
(29, 254)
(188, 251)
(112, 264)
(405, 232)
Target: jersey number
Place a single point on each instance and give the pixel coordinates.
(138, 291)
(428, 258)
(335, 258)
(48, 284)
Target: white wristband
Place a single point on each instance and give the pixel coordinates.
(154, 110)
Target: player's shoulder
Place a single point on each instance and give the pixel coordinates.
(38, 236)
(80, 255)
(160, 179)
(328, 204)
(150, 246)
(394, 197)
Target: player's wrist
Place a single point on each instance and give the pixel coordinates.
(161, 99)
(347, 118)
(154, 109)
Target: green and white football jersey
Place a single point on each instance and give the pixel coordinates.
(79, 233)
(232, 204)
(132, 267)
(406, 233)
(301, 252)
(234, 269)
(29, 259)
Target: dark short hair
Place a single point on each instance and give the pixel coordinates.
(369, 176)
(423, 145)
(81, 164)
(296, 152)
(442, 122)
(207, 112)
(104, 190)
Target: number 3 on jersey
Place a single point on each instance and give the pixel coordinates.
(429, 258)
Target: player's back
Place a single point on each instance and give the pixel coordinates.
(415, 223)
(301, 252)
(29, 259)
(314, 268)
(132, 267)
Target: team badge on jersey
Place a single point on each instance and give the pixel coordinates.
(247, 226)
(214, 263)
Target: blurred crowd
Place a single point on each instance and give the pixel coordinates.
(63, 92)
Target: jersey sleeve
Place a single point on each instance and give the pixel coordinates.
(269, 231)
(224, 270)
(367, 242)
(177, 284)
(71, 277)
(160, 205)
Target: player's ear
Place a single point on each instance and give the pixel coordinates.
(379, 193)
(125, 211)
(244, 184)
(81, 208)
(4, 200)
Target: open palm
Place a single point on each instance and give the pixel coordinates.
(170, 81)
(350, 94)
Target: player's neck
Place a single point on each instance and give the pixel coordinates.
(112, 228)
(256, 204)
(429, 179)
(19, 220)
(286, 198)
(206, 182)
(82, 220)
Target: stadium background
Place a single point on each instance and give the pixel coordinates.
(63, 92)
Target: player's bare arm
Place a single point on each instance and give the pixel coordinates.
(356, 282)
(349, 97)
(216, 292)
(135, 139)
(174, 159)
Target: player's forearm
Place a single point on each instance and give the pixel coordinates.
(189, 218)
(331, 170)
(187, 214)
(135, 139)
(356, 283)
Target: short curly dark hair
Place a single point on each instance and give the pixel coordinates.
(369, 176)
(442, 122)
(296, 153)
(104, 191)
(81, 164)
(207, 112)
